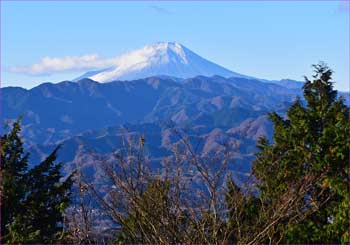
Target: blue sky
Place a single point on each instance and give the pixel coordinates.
(271, 40)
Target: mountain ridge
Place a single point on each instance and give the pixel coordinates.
(72, 107)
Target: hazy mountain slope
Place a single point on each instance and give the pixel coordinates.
(160, 137)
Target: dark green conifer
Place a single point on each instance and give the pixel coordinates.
(33, 200)
(312, 141)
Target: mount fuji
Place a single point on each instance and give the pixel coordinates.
(162, 58)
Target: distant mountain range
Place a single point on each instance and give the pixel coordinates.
(164, 86)
(86, 116)
(53, 112)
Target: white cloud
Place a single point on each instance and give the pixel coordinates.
(128, 61)
(49, 65)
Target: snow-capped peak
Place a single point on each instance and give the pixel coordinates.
(162, 58)
(168, 50)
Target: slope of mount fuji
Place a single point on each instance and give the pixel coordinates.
(164, 58)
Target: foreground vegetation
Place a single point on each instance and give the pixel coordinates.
(298, 191)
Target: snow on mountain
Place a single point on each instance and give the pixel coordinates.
(163, 58)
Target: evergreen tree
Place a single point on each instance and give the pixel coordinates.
(33, 200)
(312, 142)
(14, 164)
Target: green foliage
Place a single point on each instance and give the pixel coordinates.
(33, 199)
(13, 171)
(313, 141)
